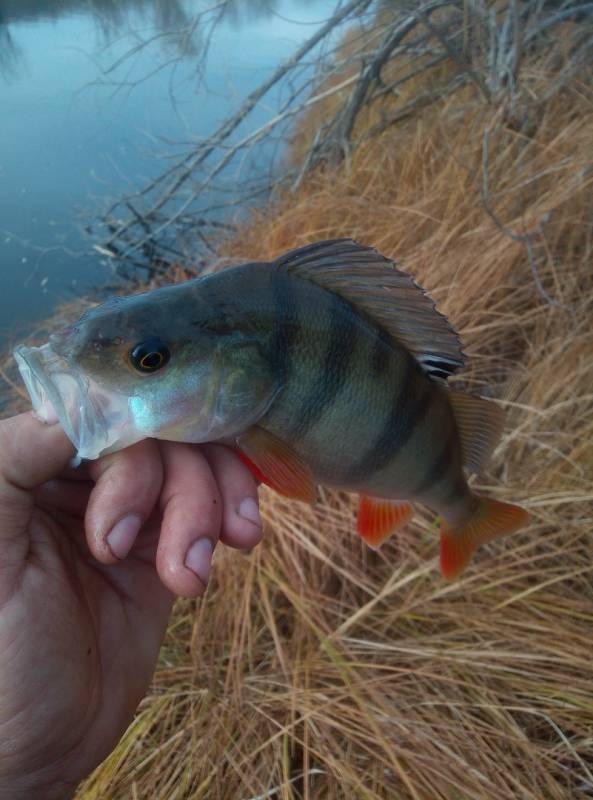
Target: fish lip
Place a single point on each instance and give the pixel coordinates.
(61, 394)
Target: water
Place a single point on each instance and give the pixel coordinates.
(76, 132)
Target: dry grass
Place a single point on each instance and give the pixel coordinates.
(318, 669)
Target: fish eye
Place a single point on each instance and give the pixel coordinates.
(150, 355)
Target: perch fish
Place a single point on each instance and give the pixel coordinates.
(326, 366)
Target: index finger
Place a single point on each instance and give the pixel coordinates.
(127, 488)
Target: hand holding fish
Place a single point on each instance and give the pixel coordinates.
(90, 561)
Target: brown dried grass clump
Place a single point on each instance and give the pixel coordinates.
(318, 669)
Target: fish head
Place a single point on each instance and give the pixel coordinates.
(161, 364)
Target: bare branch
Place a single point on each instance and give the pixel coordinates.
(488, 44)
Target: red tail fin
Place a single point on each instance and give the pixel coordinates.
(491, 519)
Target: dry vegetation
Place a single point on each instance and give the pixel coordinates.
(315, 668)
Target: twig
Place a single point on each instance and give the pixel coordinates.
(194, 160)
(456, 55)
(523, 238)
(355, 77)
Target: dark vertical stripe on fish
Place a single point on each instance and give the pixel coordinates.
(286, 327)
(407, 413)
(382, 353)
(439, 466)
(334, 368)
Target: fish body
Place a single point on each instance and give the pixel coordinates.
(352, 402)
(327, 366)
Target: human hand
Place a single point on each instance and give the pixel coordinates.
(90, 561)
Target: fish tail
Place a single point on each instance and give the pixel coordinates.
(490, 519)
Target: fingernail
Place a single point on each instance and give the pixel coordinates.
(249, 510)
(199, 558)
(123, 535)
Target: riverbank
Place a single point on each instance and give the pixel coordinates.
(316, 668)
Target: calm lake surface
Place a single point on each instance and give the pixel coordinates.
(82, 120)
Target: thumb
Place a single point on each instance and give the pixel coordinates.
(30, 454)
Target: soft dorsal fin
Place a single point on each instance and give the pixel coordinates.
(480, 423)
(373, 284)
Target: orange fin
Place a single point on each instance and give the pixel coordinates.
(379, 518)
(491, 519)
(274, 463)
(480, 423)
(253, 468)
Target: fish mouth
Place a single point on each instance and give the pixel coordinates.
(97, 421)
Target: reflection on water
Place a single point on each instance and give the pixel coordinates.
(167, 13)
(19, 10)
(9, 51)
(169, 18)
(174, 20)
(75, 133)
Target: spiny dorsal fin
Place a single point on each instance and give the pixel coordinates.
(480, 423)
(373, 284)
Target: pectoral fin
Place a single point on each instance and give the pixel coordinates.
(274, 463)
(378, 519)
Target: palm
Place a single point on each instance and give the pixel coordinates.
(106, 623)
